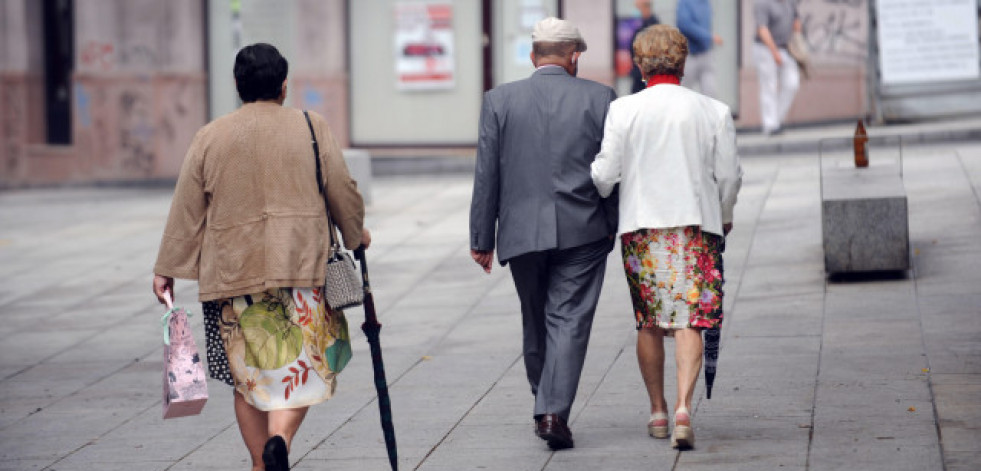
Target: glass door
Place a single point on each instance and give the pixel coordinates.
(513, 22)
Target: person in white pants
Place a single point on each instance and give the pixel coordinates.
(776, 21)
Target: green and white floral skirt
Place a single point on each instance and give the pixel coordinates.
(675, 277)
(280, 349)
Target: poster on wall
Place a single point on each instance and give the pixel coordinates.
(424, 46)
(623, 59)
(529, 14)
(922, 42)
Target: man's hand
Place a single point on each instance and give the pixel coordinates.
(365, 237)
(484, 258)
(767, 39)
(161, 285)
(717, 39)
(726, 228)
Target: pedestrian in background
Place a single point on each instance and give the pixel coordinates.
(694, 20)
(776, 21)
(648, 18)
(248, 222)
(536, 140)
(673, 153)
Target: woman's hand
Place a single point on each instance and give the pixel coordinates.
(365, 237)
(161, 285)
(726, 228)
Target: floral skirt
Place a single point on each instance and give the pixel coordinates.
(674, 276)
(281, 348)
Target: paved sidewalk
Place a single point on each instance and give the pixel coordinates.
(807, 138)
(794, 140)
(815, 375)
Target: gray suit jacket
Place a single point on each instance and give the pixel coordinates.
(537, 139)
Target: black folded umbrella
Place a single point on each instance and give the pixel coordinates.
(712, 339)
(371, 329)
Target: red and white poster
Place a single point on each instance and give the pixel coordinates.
(424, 46)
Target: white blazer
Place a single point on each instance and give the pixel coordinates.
(673, 152)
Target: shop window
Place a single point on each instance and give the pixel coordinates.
(59, 53)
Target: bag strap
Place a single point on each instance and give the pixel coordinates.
(320, 185)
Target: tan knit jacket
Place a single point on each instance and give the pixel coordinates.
(247, 215)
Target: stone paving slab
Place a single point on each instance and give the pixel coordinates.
(880, 373)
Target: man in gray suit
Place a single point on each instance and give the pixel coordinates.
(537, 139)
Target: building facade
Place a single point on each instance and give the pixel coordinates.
(99, 90)
(114, 90)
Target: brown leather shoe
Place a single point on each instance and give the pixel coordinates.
(555, 431)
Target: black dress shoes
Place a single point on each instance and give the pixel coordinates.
(275, 456)
(555, 431)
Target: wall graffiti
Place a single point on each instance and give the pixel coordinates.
(175, 110)
(312, 98)
(136, 132)
(98, 55)
(836, 30)
(178, 120)
(83, 105)
(104, 56)
(12, 128)
(138, 55)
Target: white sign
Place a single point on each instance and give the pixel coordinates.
(928, 41)
(424, 46)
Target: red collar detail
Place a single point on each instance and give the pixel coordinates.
(658, 79)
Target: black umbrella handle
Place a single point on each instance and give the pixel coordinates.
(370, 318)
(359, 254)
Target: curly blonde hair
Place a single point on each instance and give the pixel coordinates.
(660, 50)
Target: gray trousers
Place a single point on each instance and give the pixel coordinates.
(558, 290)
(700, 73)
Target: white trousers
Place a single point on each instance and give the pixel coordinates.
(778, 85)
(700, 73)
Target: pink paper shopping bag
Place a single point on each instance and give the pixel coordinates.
(185, 388)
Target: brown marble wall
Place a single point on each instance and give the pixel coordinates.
(138, 93)
(319, 72)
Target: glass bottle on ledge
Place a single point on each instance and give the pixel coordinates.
(861, 142)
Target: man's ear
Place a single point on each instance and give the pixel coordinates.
(531, 55)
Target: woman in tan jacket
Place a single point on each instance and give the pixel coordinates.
(248, 222)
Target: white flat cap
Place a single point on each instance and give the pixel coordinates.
(554, 30)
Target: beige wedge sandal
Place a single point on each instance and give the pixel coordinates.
(657, 427)
(683, 436)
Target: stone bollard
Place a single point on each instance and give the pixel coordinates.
(359, 164)
(865, 219)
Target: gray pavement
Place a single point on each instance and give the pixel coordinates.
(814, 374)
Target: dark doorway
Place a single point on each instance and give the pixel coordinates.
(487, 13)
(59, 58)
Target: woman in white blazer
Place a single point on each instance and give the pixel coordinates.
(673, 153)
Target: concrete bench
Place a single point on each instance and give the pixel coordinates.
(865, 219)
(359, 164)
